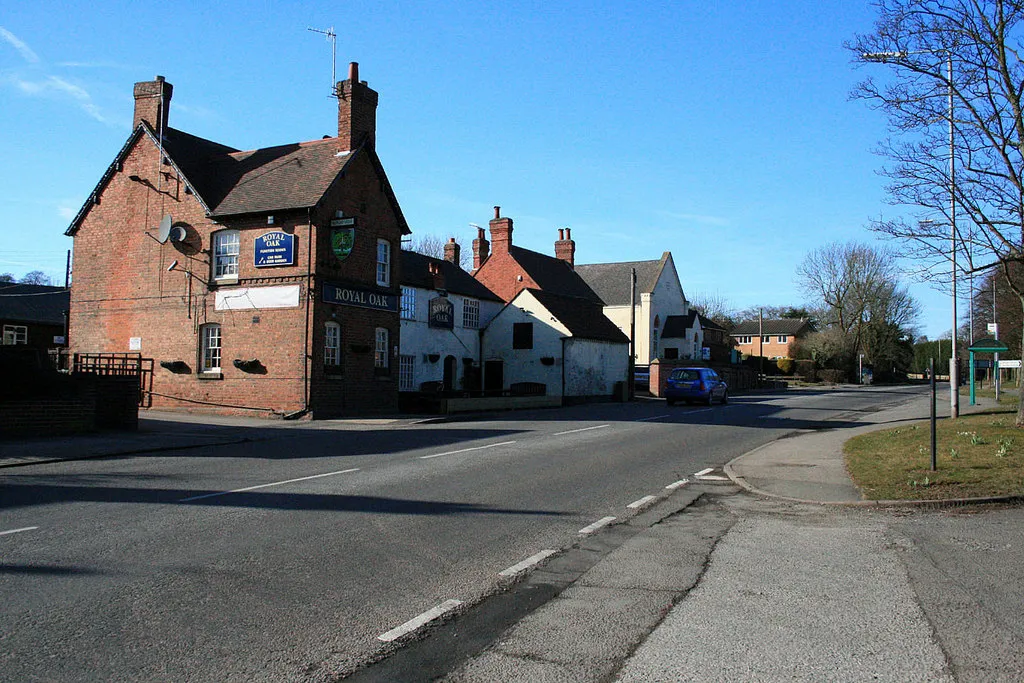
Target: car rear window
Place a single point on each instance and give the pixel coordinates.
(686, 375)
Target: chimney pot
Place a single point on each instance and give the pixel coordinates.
(353, 72)
(357, 111)
(561, 234)
(497, 212)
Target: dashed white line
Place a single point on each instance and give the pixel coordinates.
(656, 417)
(18, 531)
(646, 500)
(604, 521)
(263, 486)
(584, 429)
(466, 450)
(526, 564)
(415, 623)
(676, 484)
(708, 470)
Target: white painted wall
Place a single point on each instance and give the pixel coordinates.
(593, 367)
(524, 365)
(420, 340)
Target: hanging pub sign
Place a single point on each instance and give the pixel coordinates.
(441, 313)
(342, 240)
(274, 249)
(360, 298)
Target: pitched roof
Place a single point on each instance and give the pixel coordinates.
(584, 317)
(793, 326)
(553, 274)
(611, 280)
(707, 323)
(34, 303)
(416, 273)
(677, 325)
(229, 182)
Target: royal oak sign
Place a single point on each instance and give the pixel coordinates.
(360, 298)
(274, 249)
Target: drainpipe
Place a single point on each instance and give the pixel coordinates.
(563, 371)
(309, 299)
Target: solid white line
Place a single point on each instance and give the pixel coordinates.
(18, 531)
(415, 623)
(694, 412)
(604, 521)
(709, 470)
(646, 500)
(263, 486)
(656, 417)
(713, 477)
(677, 484)
(585, 429)
(527, 563)
(466, 450)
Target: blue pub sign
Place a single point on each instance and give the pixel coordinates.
(274, 249)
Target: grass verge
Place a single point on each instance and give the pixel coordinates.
(978, 455)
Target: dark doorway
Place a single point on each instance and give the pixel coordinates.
(449, 373)
(494, 376)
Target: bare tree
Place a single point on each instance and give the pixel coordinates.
(36, 277)
(964, 57)
(6, 277)
(715, 306)
(433, 246)
(863, 306)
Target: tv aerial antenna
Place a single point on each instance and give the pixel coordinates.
(331, 36)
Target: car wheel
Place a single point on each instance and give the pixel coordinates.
(725, 397)
(711, 398)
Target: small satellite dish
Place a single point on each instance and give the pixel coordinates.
(164, 230)
(174, 264)
(177, 234)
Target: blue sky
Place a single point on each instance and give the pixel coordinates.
(722, 132)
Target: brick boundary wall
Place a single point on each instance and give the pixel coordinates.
(79, 404)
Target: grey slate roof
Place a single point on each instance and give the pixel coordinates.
(585, 318)
(677, 325)
(33, 303)
(611, 280)
(790, 326)
(416, 273)
(707, 323)
(553, 274)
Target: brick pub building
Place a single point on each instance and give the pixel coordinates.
(263, 280)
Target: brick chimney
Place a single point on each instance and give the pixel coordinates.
(501, 232)
(481, 249)
(452, 251)
(152, 101)
(565, 248)
(437, 276)
(357, 111)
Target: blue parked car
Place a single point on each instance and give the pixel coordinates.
(695, 384)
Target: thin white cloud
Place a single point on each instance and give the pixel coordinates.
(696, 218)
(18, 44)
(55, 85)
(66, 211)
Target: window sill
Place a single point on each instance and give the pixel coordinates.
(210, 375)
(225, 281)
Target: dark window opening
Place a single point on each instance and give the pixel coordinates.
(522, 335)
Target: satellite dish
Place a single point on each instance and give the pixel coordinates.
(164, 230)
(177, 234)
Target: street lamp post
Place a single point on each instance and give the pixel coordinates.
(954, 383)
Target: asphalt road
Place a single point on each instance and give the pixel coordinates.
(286, 558)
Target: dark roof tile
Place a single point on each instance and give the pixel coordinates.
(416, 273)
(33, 303)
(611, 280)
(584, 317)
(791, 326)
(553, 274)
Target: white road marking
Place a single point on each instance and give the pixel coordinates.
(18, 531)
(263, 486)
(694, 412)
(466, 450)
(677, 484)
(709, 470)
(527, 563)
(713, 477)
(656, 417)
(646, 500)
(585, 429)
(415, 623)
(604, 521)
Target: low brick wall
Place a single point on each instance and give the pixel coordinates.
(73, 405)
(739, 378)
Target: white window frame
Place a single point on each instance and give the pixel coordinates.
(406, 372)
(783, 338)
(15, 334)
(332, 343)
(226, 248)
(380, 349)
(766, 339)
(408, 305)
(211, 348)
(471, 314)
(383, 263)
(744, 339)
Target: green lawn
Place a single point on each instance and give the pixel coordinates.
(979, 455)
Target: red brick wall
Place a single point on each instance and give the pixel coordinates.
(122, 289)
